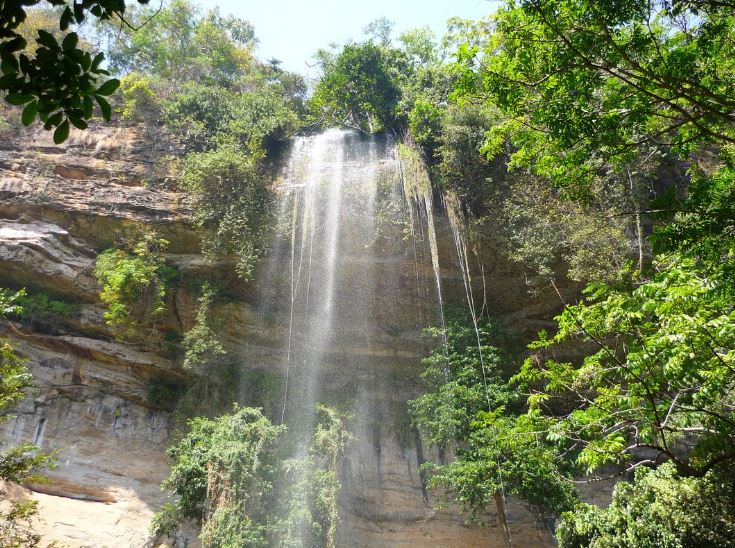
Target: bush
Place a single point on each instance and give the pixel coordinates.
(43, 312)
(200, 343)
(659, 509)
(139, 100)
(163, 392)
(132, 284)
(231, 202)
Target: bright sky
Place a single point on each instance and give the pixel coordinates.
(292, 30)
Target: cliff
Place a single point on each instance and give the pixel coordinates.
(60, 206)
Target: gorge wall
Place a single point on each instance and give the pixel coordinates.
(61, 205)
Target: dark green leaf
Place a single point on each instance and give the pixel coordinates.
(29, 113)
(47, 39)
(70, 41)
(62, 132)
(18, 98)
(78, 122)
(7, 68)
(87, 106)
(66, 18)
(108, 88)
(104, 107)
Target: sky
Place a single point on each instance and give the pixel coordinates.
(292, 30)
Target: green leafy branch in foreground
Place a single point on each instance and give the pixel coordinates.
(59, 81)
(662, 374)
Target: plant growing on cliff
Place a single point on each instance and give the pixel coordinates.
(133, 284)
(231, 201)
(468, 409)
(201, 345)
(231, 477)
(23, 463)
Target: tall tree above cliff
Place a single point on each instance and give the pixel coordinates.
(584, 85)
(57, 80)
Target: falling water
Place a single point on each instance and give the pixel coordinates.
(326, 226)
(352, 277)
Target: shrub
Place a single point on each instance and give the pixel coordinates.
(231, 202)
(132, 287)
(201, 344)
(139, 99)
(163, 392)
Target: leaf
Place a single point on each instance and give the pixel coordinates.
(87, 106)
(62, 132)
(16, 44)
(108, 88)
(78, 122)
(8, 68)
(47, 39)
(66, 18)
(70, 42)
(104, 107)
(53, 120)
(29, 113)
(18, 98)
(97, 60)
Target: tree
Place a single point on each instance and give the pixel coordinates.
(469, 411)
(360, 88)
(59, 81)
(229, 473)
(585, 84)
(660, 386)
(180, 43)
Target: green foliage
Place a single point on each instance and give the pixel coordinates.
(207, 117)
(182, 44)
(42, 311)
(659, 509)
(545, 231)
(163, 392)
(460, 168)
(132, 283)
(360, 88)
(467, 408)
(230, 476)
(23, 463)
(57, 81)
(13, 380)
(16, 527)
(231, 201)
(311, 513)
(662, 373)
(583, 84)
(200, 343)
(139, 100)
(221, 465)
(704, 229)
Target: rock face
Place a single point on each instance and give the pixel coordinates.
(59, 207)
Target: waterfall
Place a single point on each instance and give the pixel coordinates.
(350, 280)
(326, 223)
